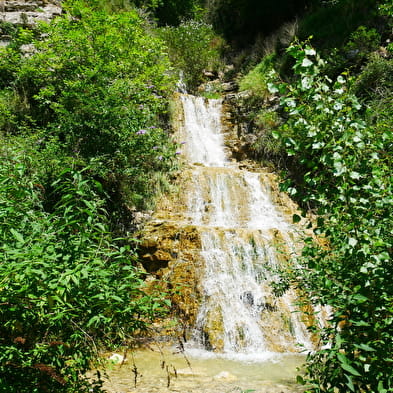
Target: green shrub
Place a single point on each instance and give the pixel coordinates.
(173, 12)
(342, 167)
(7, 28)
(376, 79)
(374, 85)
(361, 43)
(99, 83)
(67, 287)
(193, 47)
(7, 117)
(266, 146)
(164, 12)
(256, 81)
(81, 130)
(260, 116)
(9, 64)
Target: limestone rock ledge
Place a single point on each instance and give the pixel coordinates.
(169, 251)
(28, 12)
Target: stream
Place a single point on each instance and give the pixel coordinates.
(200, 373)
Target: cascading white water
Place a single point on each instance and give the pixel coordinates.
(245, 238)
(222, 236)
(203, 131)
(232, 198)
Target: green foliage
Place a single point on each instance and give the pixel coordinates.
(260, 116)
(376, 79)
(362, 42)
(174, 12)
(99, 84)
(7, 118)
(7, 29)
(343, 170)
(113, 6)
(67, 286)
(386, 9)
(256, 81)
(82, 141)
(266, 146)
(10, 60)
(193, 47)
(331, 23)
(165, 12)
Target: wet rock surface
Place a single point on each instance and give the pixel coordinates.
(214, 245)
(169, 251)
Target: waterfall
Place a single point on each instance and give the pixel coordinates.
(202, 121)
(245, 238)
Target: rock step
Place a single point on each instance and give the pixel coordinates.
(28, 12)
(21, 6)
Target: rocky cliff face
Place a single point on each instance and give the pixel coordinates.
(28, 12)
(170, 251)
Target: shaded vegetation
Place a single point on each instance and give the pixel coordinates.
(241, 21)
(332, 22)
(334, 139)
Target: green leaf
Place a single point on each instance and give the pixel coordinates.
(317, 145)
(306, 62)
(168, 302)
(275, 134)
(366, 347)
(18, 236)
(346, 366)
(310, 51)
(306, 83)
(381, 389)
(350, 382)
(355, 175)
(93, 321)
(272, 88)
(342, 358)
(117, 298)
(360, 323)
(339, 168)
(360, 298)
(296, 218)
(75, 279)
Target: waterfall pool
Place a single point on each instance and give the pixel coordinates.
(203, 372)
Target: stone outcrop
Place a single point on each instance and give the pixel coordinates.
(250, 133)
(170, 251)
(29, 12)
